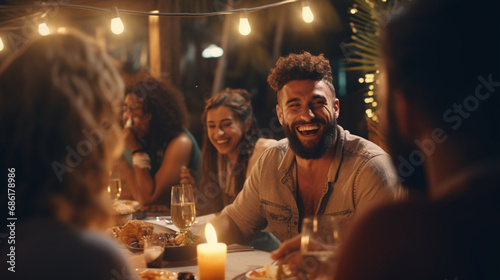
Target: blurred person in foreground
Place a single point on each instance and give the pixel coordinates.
(442, 65)
(157, 143)
(319, 169)
(231, 147)
(60, 137)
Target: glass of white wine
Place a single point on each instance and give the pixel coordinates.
(319, 244)
(182, 207)
(114, 186)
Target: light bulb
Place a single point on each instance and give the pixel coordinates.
(117, 25)
(43, 29)
(212, 51)
(1, 45)
(307, 14)
(244, 27)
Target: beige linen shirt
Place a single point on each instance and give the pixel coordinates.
(361, 173)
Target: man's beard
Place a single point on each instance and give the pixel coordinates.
(410, 175)
(326, 140)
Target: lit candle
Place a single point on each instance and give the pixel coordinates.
(211, 256)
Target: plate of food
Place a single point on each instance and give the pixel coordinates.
(155, 274)
(178, 246)
(268, 272)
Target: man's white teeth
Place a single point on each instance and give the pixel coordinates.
(308, 127)
(222, 141)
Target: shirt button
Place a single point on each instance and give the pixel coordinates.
(295, 223)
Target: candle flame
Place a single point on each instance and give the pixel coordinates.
(210, 234)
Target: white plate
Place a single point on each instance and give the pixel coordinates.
(158, 272)
(274, 271)
(249, 277)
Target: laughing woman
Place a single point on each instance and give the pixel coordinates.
(231, 146)
(157, 143)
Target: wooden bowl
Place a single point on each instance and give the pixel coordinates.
(179, 253)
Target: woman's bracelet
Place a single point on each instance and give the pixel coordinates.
(142, 160)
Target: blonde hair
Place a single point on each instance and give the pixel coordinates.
(60, 101)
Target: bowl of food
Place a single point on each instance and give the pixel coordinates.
(123, 213)
(178, 246)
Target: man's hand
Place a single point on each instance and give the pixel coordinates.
(131, 139)
(289, 253)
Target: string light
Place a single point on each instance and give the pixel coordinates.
(212, 51)
(1, 44)
(117, 26)
(43, 29)
(369, 78)
(116, 23)
(307, 14)
(244, 27)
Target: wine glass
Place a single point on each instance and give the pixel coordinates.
(114, 187)
(319, 243)
(182, 207)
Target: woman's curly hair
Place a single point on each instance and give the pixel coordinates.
(165, 104)
(304, 66)
(60, 129)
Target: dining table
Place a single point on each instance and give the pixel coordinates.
(238, 263)
(240, 258)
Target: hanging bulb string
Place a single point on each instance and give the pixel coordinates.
(227, 12)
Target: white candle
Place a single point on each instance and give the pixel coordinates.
(211, 256)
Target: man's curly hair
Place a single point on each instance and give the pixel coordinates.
(304, 66)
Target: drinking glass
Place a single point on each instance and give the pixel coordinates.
(114, 187)
(182, 207)
(319, 243)
(154, 247)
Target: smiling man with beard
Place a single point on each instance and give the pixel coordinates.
(319, 169)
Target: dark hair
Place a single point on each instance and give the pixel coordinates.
(166, 106)
(302, 66)
(239, 102)
(441, 54)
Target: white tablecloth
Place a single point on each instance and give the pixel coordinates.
(237, 263)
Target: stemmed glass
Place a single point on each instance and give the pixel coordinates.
(319, 243)
(182, 207)
(114, 187)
